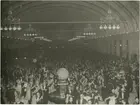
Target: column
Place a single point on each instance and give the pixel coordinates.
(130, 48)
(103, 46)
(112, 47)
(108, 46)
(117, 48)
(124, 48)
(120, 43)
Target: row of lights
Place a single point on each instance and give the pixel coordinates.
(80, 36)
(30, 34)
(18, 58)
(89, 33)
(83, 36)
(57, 47)
(31, 39)
(14, 38)
(14, 28)
(101, 36)
(10, 23)
(109, 27)
(121, 45)
(125, 33)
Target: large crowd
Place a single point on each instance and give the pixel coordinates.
(90, 81)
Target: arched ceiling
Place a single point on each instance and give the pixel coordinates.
(63, 11)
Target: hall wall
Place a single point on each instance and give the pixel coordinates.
(125, 45)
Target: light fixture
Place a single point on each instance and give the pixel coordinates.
(109, 21)
(5, 28)
(10, 23)
(14, 28)
(118, 27)
(10, 28)
(109, 27)
(88, 31)
(114, 27)
(105, 27)
(101, 27)
(30, 31)
(19, 28)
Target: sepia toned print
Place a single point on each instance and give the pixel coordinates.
(70, 52)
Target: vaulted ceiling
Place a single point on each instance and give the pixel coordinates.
(70, 11)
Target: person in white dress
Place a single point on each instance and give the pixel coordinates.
(112, 99)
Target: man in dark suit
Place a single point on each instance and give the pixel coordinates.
(46, 95)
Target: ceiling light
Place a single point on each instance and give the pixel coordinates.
(109, 27)
(101, 27)
(109, 19)
(114, 27)
(10, 28)
(105, 27)
(14, 28)
(118, 27)
(10, 20)
(5, 28)
(19, 28)
(31, 31)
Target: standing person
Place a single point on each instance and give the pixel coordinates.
(71, 100)
(112, 99)
(81, 100)
(34, 100)
(76, 93)
(39, 97)
(45, 95)
(67, 98)
(28, 94)
(10, 95)
(18, 88)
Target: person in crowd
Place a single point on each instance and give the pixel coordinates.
(103, 78)
(112, 99)
(136, 101)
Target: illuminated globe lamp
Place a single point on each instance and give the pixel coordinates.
(63, 75)
(34, 60)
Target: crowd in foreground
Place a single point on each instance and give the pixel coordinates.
(89, 82)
